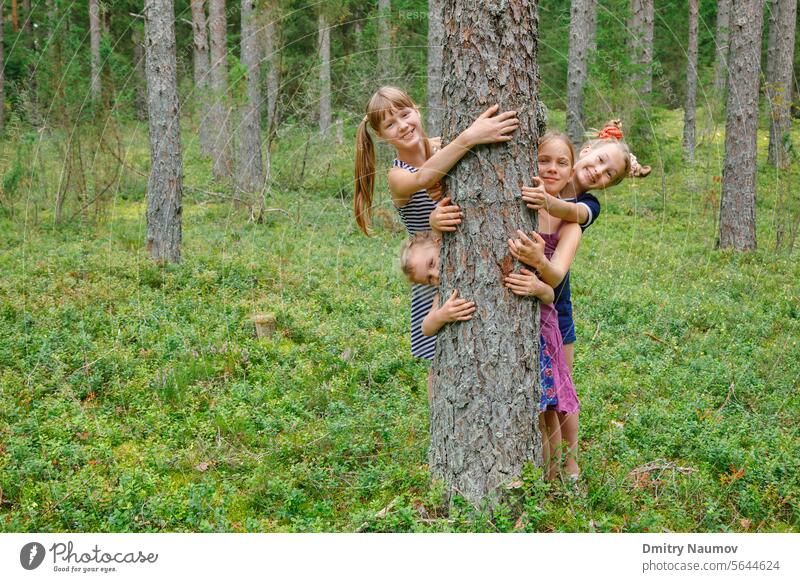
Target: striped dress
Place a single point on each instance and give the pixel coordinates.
(415, 215)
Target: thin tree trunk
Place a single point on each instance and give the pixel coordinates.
(27, 26)
(273, 63)
(737, 216)
(2, 71)
(94, 33)
(324, 75)
(722, 46)
(140, 98)
(384, 14)
(486, 371)
(641, 34)
(14, 17)
(251, 169)
(435, 38)
(201, 74)
(689, 108)
(581, 17)
(221, 162)
(779, 80)
(164, 187)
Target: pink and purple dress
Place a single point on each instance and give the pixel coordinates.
(558, 390)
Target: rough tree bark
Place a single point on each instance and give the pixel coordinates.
(164, 187)
(270, 41)
(486, 371)
(582, 14)
(435, 38)
(690, 108)
(384, 42)
(250, 176)
(218, 119)
(722, 46)
(641, 31)
(201, 74)
(737, 214)
(324, 75)
(94, 34)
(780, 56)
(140, 95)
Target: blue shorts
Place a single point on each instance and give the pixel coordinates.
(563, 305)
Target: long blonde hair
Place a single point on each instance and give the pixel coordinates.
(385, 100)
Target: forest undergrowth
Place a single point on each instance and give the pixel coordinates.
(136, 397)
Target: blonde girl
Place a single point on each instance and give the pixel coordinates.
(415, 173)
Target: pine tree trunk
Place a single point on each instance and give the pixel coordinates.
(689, 108)
(164, 187)
(384, 54)
(737, 216)
(641, 27)
(140, 97)
(201, 74)
(272, 60)
(435, 38)
(2, 71)
(581, 17)
(250, 176)
(722, 46)
(94, 33)
(486, 372)
(14, 17)
(221, 137)
(324, 75)
(779, 81)
(27, 26)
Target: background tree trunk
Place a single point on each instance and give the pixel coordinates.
(641, 30)
(723, 36)
(94, 33)
(14, 17)
(251, 170)
(221, 161)
(581, 18)
(486, 371)
(689, 108)
(435, 38)
(201, 74)
(324, 75)
(779, 80)
(384, 40)
(164, 187)
(737, 216)
(140, 98)
(272, 60)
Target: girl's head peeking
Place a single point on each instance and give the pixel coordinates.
(419, 258)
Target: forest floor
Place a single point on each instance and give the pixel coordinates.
(135, 397)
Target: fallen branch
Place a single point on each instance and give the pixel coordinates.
(660, 465)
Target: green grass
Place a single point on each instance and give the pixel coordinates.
(135, 397)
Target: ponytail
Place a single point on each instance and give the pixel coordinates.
(364, 177)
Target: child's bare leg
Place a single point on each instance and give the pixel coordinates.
(553, 443)
(545, 447)
(569, 430)
(569, 355)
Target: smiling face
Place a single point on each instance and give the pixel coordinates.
(555, 165)
(600, 167)
(423, 264)
(401, 127)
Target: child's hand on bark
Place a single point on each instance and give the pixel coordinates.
(536, 197)
(527, 250)
(445, 217)
(456, 309)
(525, 284)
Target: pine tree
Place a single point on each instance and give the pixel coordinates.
(201, 74)
(780, 55)
(435, 35)
(689, 108)
(221, 150)
(250, 176)
(324, 44)
(641, 41)
(486, 371)
(581, 37)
